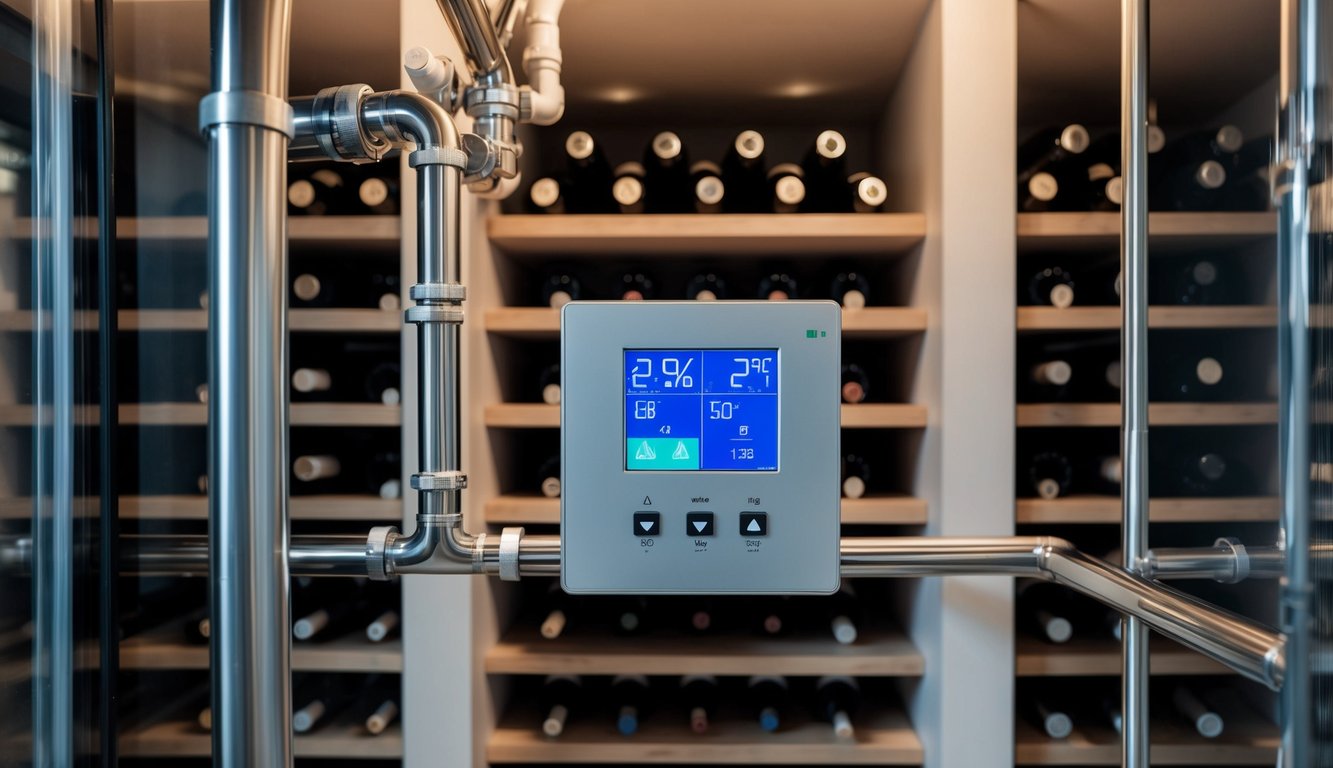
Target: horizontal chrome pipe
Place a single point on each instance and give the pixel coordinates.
(188, 556)
(1226, 561)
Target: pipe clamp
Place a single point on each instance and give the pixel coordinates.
(450, 156)
(438, 292)
(434, 314)
(439, 481)
(510, 539)
(1240, 570)
(247, 108)
(377, 547)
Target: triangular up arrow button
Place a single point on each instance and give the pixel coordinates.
(754, 526)
(647, 501)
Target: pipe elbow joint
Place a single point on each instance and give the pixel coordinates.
(544, 107)
(404, 117)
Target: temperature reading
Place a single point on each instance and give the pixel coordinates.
(642, 371)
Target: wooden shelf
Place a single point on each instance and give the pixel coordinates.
(196, 414)
(160, 649)
(866, 323)
(1083, 656)
(877, 652)
(1243, 743)
(1072, 230)
(346, 320)
(860, 416)
(1181, 318)
(691, 234)
(518, 509)
(385, 229)
(184, 738)
(882, 738)
(1106, 509)
(323, 507)
(1159, 414)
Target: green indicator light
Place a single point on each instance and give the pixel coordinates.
(810, 334)
(822, 334)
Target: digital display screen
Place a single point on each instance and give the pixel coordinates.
(701, 409)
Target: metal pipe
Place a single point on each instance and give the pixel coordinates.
(248, 126)
(1134, 354)
(1228, 562)
(472, 27)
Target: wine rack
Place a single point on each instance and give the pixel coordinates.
(1242, 244)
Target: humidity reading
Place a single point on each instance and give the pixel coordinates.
(701, 409)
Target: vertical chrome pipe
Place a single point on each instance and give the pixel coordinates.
(1134, 367)
(472, 27)
(248, 124)
(1297, 133)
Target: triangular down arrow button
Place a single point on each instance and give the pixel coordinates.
(647, 525)
(699, 525)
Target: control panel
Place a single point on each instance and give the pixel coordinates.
(699, 447)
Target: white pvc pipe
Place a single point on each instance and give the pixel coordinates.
(542, 60)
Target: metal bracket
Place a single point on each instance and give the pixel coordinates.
(247, 108)
(439, 481)
(1241, 559)
(510, 540)
(377, 548)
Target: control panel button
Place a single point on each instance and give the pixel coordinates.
(699, 523)
(647, 523)
(754, 523)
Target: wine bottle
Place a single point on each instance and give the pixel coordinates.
(559, 289)
(743, 174)
(197, 627)
(1111, 709)
(635, 286)
(1205, 721)
(317, 700)
(1195, 473)
(1250, 179)
(323, 192)
(855, 476)
(1109, 471)
(1049, 379)
(709, 190)
(786, 188)
(844, 614)
(558, 612)
(382, 716)
(855, 383)
(706, 286)
(627, 188)
(770, 617)
(382, 626)
(1194, 170)
(1190, 373)
(384, 475)
(699, 696)
(205, 719)
(379, 195)
(631, 615)
(590, 176)
(561, 696)
(329, 618)
(699, 614)
(356, 283)
(311, 380)
(546, 195)
(1045, 608)
(548, 477)
(382, 383)
(1051, 286)
(850, 289)
(777, 286)
(1049, 474)
(769, 698)
(1055, 723)
(629, 697)
(548, 384)
(316, 467)
(868, 192)
(1196, 282)
(667, 187)
(825, 168)
(837, 700)
(1048, 176)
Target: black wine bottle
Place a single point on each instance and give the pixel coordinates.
(699, 695)
(772, 616)
(1051, 286)
(635, 286)
(1053, 722)
(1190, 373)
(667, 187)
(559, 289)
(1193, 170)
(1111, 711)
(706, 286)
(825, 167)
(558, 612)
(1205, 721)
(1045, 609)
(850, 289)
(1049, 475)
(855, 476)
(769, 698)
(777, 286)
(786, 188)
(1197, 281)
(1195, 473)
(855, 383)
(1049, 176)
(1250, 179)
(630, 699)
(561, 697)
(322, 192)
(318, 699)
(548, 384)
(1048, 379)
(548, 477)
(382, 627)
(589, 174)
(868, 192)
(837, 701)
(379, 196)
(329, 618)
(627, 188)
(382, 711)
(631, 615)
(743, 174)
(843, 613)
(708, 188)
(547, 195)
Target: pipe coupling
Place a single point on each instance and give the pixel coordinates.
(434, 313)
(377, 548)
(500, 100)
(335, 119)
(1240, 560)
(479, 553)
(439, 481)
(449, 156)
(510, 541)
(453, 292)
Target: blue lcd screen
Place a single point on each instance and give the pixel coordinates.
(701, 409)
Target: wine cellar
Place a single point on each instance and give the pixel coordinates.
(948, 172)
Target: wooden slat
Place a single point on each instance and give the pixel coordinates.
(796, 234)
(870, 322)
(1159, 414)
(877, 652)
(323, 507)
(346, 320)
(1106, 509)
(862, 415)
(302, 414)
(531, 509)
(882, 738)
(161, 650)
(184, 738)
(1108, 318)
(1091, 743)
(1084, 656)
(385, 229)
(1205, 227)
